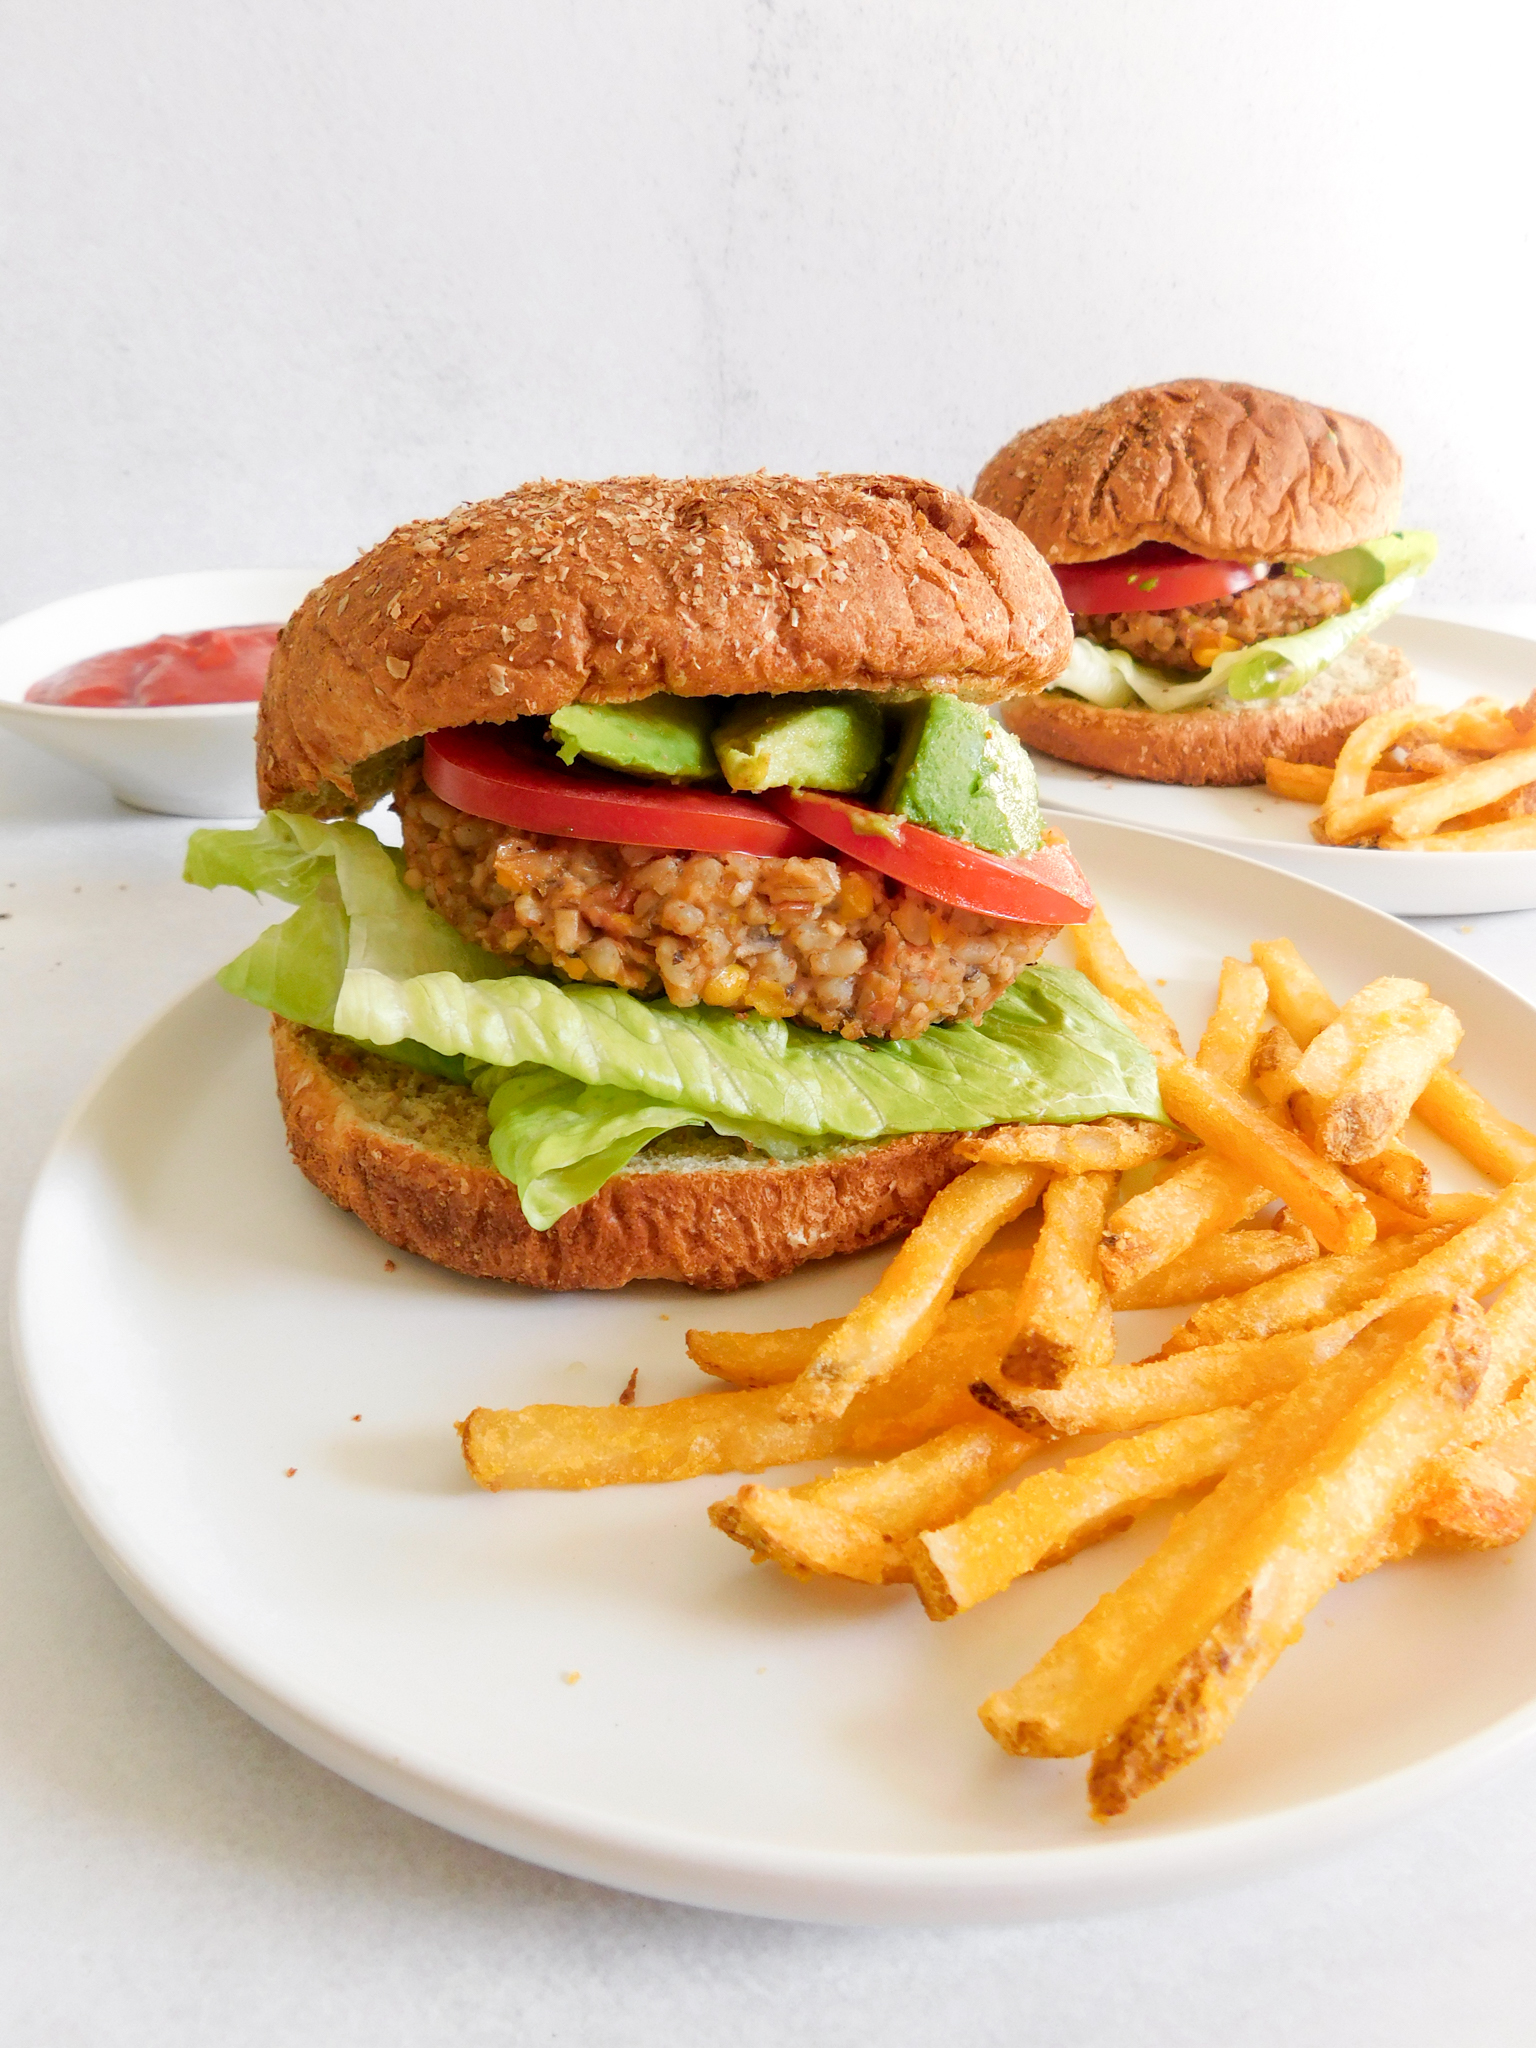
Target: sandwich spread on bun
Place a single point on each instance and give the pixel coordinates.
(721, 892)
(1225, 553)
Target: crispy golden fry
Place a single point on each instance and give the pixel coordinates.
(900, 1312)
(1229, 1263)
(1101, 957)
(566, 1447)
(1005, 1260)
(1113, 1146)
(1116, 1397)
(1303, 783)
(1348, 813)
(1364, 1071)
(1203, 1195)
(1506, 835)
(1460, 1206)
(1494, 1144)
(1095, 1676)
(1477, 1258)
(1423, 810)
(1296, 995)
(1313, 1189)
(1396, 1171)
(1050, 1516)
(1228, 1631)
(1232, 1034)
(1433, 757)
(1063, 1317)
(758, 1358)
(1303, 1299)
(1482, 725)
(1450, 1105)
(854, 1525)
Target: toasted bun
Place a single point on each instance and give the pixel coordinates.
(1225, 746)
(607, 592)
(1224, 470)
(406, 1152)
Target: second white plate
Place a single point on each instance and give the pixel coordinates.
(1453, 662)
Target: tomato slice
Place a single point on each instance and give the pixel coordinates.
(1047, 887)
(488, 771)
(1152, 578)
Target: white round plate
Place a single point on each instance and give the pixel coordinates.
(1453, 662)
(195, 1320)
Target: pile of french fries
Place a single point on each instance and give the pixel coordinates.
(1420, 780)
(1350, 1385)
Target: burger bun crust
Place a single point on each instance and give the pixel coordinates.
(406, 1153)
(1227, 471)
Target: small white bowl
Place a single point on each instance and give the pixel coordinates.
(191, 760)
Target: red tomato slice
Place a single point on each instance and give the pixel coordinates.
(1152, 578)
(1047, 887)
(489, 772)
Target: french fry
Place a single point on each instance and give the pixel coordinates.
(1296, 995)
(1050, 1516)
(1100, 956)
(1305, 1298)
(1303, 783)
(1290, 1557)
(1203, 1195)
(1113, 1146)
(1232, 1034)
(1063, 1315)
(758, 1358)
(1396, 1171)
(1348, 813)
(1476, 1259)
(1124, 1397)
(1227, 1264)
(1364, 1071)
(1422, 811)
(1507, 835)
(854, 1525)
(1004, 1260)
(569, 1447)
(1450, 1105)
(899, 1314)
(1493, 1143)
(1096, 1676)
(1482, 725)
(1312, 1188)
(1460, 1206)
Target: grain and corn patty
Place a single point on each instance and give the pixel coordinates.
(829, 944)
(1192, 636)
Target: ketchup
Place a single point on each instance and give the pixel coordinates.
(226, 665)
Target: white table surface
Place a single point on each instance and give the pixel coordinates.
(172, 1874)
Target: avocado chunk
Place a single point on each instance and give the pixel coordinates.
(958, 772)
(1363, 569)
(811, 742)
(661, 737)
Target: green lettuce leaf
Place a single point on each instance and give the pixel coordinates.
(1114, 680)
(1278, 668)
(578, 1078)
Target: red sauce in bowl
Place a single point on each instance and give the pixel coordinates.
(225, 665)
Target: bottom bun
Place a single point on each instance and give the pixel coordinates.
(1228, 744)
(407, 1153)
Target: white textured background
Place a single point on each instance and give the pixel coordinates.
(279, 274)
(276, 275)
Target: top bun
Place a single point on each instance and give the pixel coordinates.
(605, 592)
(1222, 470)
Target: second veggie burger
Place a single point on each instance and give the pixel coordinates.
(1225, 552)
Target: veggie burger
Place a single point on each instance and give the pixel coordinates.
(1225, 553)
(721, 891)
